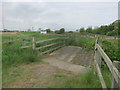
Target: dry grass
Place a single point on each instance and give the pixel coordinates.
(9, 33)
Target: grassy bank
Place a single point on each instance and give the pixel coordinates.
(64, 79)
(111, 47)
(13, 56)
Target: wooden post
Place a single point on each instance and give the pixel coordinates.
(64, 41)
(33, 43)
(24, 44)
(100, 62)
(114, 83)
(97, 54)
(95, 57)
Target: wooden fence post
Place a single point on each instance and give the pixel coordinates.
(114, 83)
(64, 41)
(33, 43)
(23, 43)
(97, 54)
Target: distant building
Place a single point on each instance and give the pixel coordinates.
(43, 31)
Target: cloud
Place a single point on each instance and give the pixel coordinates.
(61, 0)
(55, 15)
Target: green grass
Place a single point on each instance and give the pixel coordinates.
(14, 56)
(107, 76)
(111, 47)
(13, 75)
(37, 36)
(84, 42)
(85, 80)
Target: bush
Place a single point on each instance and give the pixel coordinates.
(111, 49)
(84, 42)
(112, 33)
(12, 55)
(61, 31)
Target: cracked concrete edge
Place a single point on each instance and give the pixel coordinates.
(72, 56)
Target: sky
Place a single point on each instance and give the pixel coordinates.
(68, 14)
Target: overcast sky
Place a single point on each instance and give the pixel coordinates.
(55, 15)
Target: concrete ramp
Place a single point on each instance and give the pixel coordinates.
(65, 65)
(71, 58)
(66, 53)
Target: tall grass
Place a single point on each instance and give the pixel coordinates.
(111, 47)
(37, 36)
(84, 42)
(12, 55)
(85, 80)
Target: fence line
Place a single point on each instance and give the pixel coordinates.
(99, 55)
(34, 43)
(106, 37)
(16, 40)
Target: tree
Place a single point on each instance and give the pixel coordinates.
(82, 30)
(89, 30)
(48, 30)
(62, 30)
(70, 32)
(112, 33)
(57, 32)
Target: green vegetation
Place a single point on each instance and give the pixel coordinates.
(110, 47)
(48, 30)
(14, 75)
(85, 80)
(109, 30)
(14, 56)
(61, 31)
(106, 75)
(84, 42)
(37, 36)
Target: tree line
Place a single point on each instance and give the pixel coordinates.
(110, 30)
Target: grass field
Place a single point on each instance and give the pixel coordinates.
(14, 57)
(12, 53)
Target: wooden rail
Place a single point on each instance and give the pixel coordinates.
(37, 48)
(101, 55)
(16, 40)
(50, 50)
(60, 41)
(41, 41)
